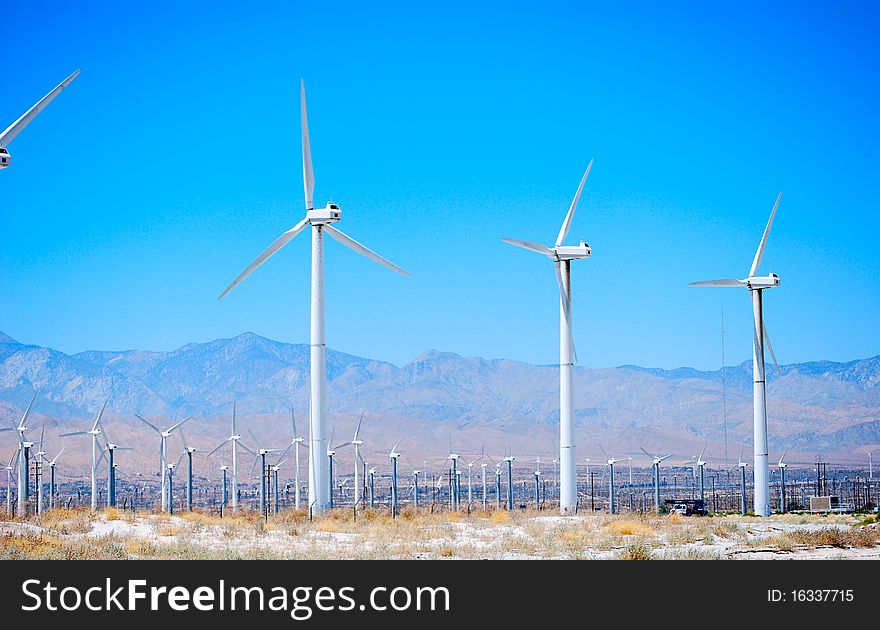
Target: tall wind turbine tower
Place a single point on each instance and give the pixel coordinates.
(562, 255)
(320, 220)
(756, 285)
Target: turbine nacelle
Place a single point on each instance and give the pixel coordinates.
(5, 158)
(762, 282)
(322, 216)
(571, 252)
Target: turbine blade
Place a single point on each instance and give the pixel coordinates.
(700, 458)
(179, 424)
(336, 448)
(770, 348)
(233, 417)
(394, 448)
(725, 282)
(535, 247)
(360, 249)
(15, 128)
(100, 413)
(74, 433)
(566, 224)
(760, 253)
(179, 459)
(27, 412)
(646, 452)
(666, 457)
(308, 171)
(149, 424)
(254, 438)
(217, 448)
(55, 459)
(247, 448)
(293, 421)
(358, 428)
(270, 251)
(783, 455)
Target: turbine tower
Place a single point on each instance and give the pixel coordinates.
(756, 285)
(15, 128)
(562, 255)
(320, 220)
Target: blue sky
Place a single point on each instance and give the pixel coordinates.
(174, 159)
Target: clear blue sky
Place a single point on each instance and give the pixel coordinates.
(174, 159)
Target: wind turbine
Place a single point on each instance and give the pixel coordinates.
(320, 220)
(509, 459)
(782, 466)
(742, 469)
(52, 491)
(41, 457)
(870, 466)
(163, 463)
(756, 285)
(394, 455)
(23, 458)
(537, 483)
(188, 451)
(297, 441)
(357, 458)
(562, 255)
(95, 431)
(9, 467)
(415, 474)
(700, 464)
(656, 465)
(234, 438)
(260, 455)
(330, 454)
(15, 128)
(454, 457)
(610, 461)
(111, 470)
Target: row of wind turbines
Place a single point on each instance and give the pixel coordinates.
(321, 221)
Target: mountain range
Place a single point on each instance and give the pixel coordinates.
(817, 406)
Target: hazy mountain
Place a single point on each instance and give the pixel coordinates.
(813, 406)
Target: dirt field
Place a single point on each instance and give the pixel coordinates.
(109, 534)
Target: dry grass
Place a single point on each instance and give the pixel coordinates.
(629, 527)
(373, 534)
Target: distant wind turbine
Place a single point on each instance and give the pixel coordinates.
(163, 457)
(95, 431)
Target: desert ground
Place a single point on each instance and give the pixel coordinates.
(113, 534)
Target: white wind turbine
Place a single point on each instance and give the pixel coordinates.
(357, 458)
(320, 219)
(234, 438)
(22, 460)
(295, 443)
(562, 255)
(756, 285)
(95, 431)
(164, 467)
(15, 128)
(656, 461)
(782, 465)
(12, 463)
